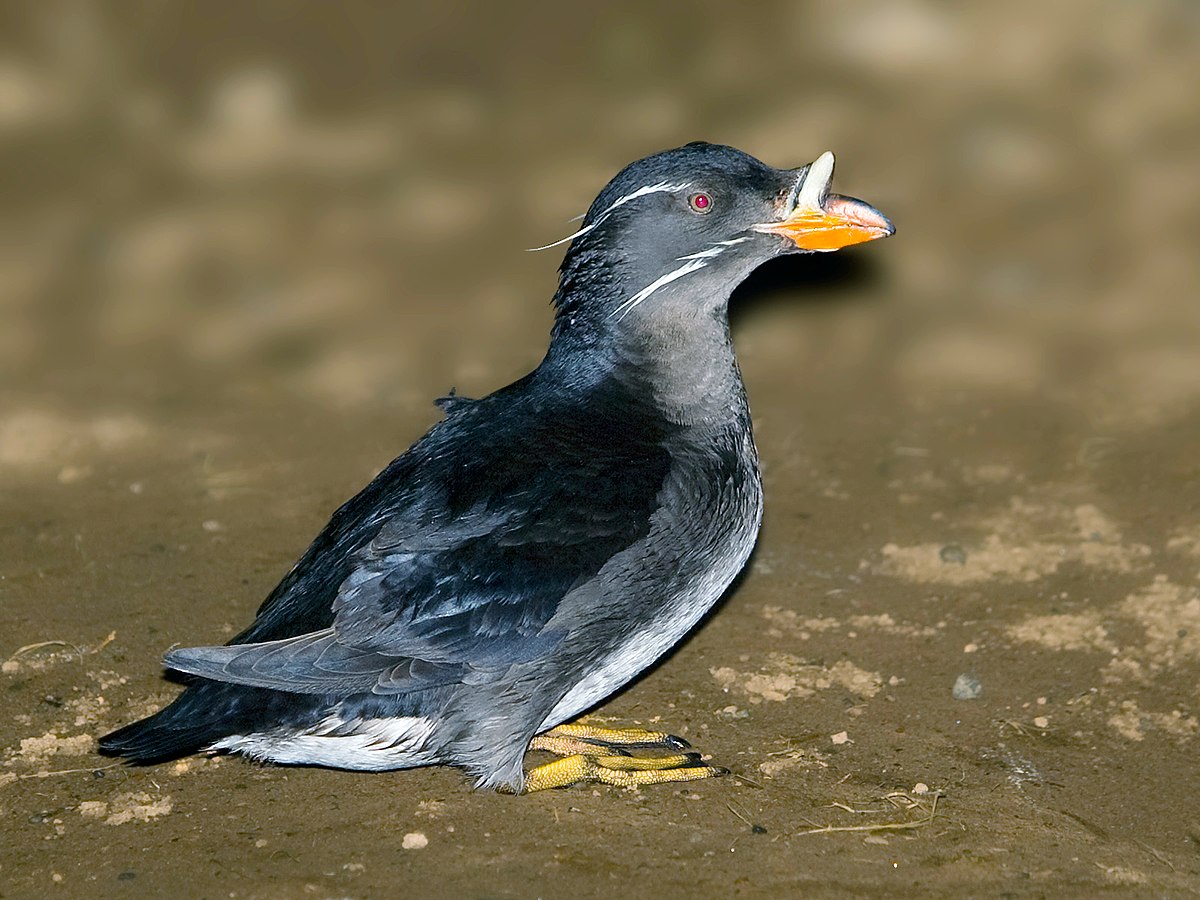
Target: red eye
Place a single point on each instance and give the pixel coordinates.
(700, 203)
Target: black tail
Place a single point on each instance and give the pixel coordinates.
(203, 714)
(153, 740)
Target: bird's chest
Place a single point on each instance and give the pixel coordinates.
(704, 531)
(709, 522)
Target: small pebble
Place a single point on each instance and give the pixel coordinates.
(953, 554)
(967, 687)
(1041, 722)
(840, 738)
(414, 840)
(920, 788)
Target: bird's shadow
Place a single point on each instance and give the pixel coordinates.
(811, 278)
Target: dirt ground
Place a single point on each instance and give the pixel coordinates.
(243, 247)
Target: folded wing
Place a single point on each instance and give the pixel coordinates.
(457, 588)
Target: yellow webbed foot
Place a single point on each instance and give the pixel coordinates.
(594, 754)
(621, 771)
(577, 738)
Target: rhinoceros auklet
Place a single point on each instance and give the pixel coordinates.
(541, 546)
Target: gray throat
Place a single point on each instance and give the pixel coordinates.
(683, 357)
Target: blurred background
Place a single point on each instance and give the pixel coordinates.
(332, 201)
(243, 245)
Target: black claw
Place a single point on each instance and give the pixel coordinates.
(609, 748)
(667, 742)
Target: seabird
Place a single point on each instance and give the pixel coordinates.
(541, 546)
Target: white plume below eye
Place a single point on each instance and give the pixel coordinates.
(624, 309)
(691, 263)
(715, 250)
(704, 254)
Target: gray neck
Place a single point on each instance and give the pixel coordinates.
(680, 354)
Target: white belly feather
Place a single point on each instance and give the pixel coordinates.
(370, 744)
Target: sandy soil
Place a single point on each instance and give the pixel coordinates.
(240, 253)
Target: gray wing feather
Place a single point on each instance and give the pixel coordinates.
(315, 663)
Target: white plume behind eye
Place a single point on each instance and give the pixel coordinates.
(691, 263)
(620, 201)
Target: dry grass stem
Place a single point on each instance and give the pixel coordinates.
(886, 826)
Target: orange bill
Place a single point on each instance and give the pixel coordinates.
(820, 221)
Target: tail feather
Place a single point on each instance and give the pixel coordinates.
(199, 717)
(149, 741)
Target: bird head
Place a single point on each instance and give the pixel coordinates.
(674, 233)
